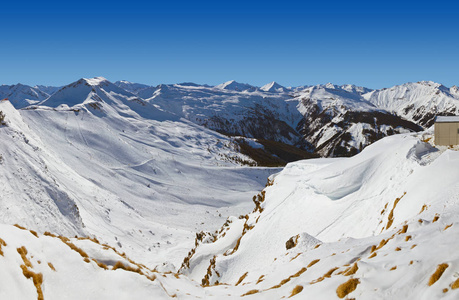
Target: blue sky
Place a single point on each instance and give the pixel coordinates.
(294, 43)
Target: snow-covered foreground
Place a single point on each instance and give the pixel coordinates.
(380, 225)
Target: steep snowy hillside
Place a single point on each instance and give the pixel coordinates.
(419, 102)
(379, 225)
(143, 182)
(22, 95)
(341, 123)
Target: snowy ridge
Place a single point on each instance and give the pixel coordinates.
(236, 86)
(22, 95)
(419, 102)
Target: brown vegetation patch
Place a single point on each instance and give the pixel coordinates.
(262, 277)
(242, 278)
(317, 246)
(47, 233)
(382, 243)
(404, 229)
(413, 246)
(296, 290)
(346, 288)
(19, 226)
(351, 270)
(330, 272)
(455, 284)
(407, 238)
(292, 242)
(393, 268)
(372, 255)
(298, 254)
(313, 262)
(437, 274)
(251, 292)
(384, 209)
(448, 226)
(435, 219)
(37, 279)
(206, 279)
(120, 265)
(326, 275)
(73, 247)
(34, 233)
(424, 207)
(299, 272)
(390, 219)
(445, 290)
(51, 266)
(23, 252)
(2, 243)
(398, 249)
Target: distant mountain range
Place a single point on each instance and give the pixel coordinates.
(327, 120)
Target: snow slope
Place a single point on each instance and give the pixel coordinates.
(382, 221)
(109, 172)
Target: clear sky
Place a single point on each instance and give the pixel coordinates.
(292, 42)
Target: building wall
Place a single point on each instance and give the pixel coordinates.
(446, 134)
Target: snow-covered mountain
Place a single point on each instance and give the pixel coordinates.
(273, 87)
(236, 86)
(254, 114)
(72, 167)
(130, 86)
(21, 95)
(48, 89)
(419, 102)
(332, 120)
(337, 122)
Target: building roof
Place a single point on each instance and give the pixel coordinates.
(447, 119)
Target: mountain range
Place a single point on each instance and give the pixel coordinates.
(123, 190)
(325, 120)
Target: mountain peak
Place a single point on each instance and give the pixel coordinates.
(95, 80)
(233, 85)
(273, 87)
